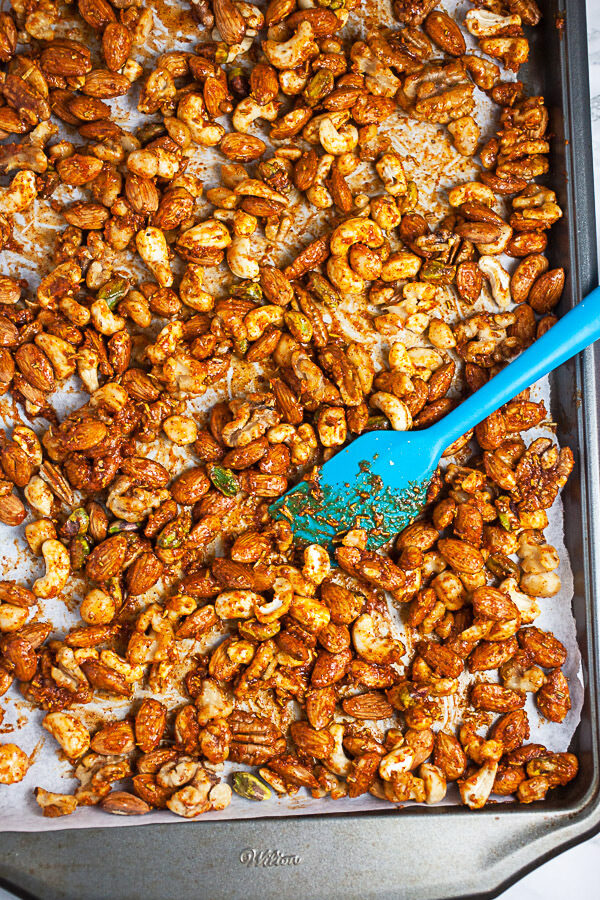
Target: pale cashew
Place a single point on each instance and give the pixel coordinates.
(220, 796)
(499, 245)
(111, 396)
(71, 734)
(37, 532)
(152, 246)
(317, 564)
(58, 567)
(343, 276)
(270, 611)
(252, 187)
(399, 265)
(61, 281)
(214, 701)
(400, 759)
(337, 761)
(166, 343)
(210, 233)
(434, 781)
(236, 604)
(471, 191)
(131, 503)
(12, 618)
(191, 292)
(178, 772)
(185, 375)
(391, 171)
(181, 430)
(29, 443)
(104, 319)
(498, 278)
(131, 673)
(425, 358)
(310, 132)
(385, 212)
(20, 193)
(60, 353)
(399, 359)
(337, 142)
(317, 193)
(396, 410)
(248, 110)
(39, 496)
(292, 81)
(465, 133)
(354, 231)
(259, 319)
(379, 79)
(292, 53)
(189, 802)
(97, 608)
(520, 678)
(87, 369)
(475, 790)
(373, 641)
(483, 23)
(242, 258)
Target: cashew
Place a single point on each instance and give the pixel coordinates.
(354, 231)
(475, 790)
(292, 81)
(131, 503)
(29, 443)
(98, 608)
(317, 564)
(399, 265)
(337, 761)
(190, 289)
(337, 142)
(236, 604)
(105, 321)
(87, 369)
(310, 132)
(499, 245)
(292, 53)
(60, 282)
(317, 193)
(242, 258)
(498, 278)
(518, 678)
(71, 734)
(248, 110)
(471, 191)
(39, 496)
(424, 358)
(220, 796)
(483, 23)
(343, 277)
(60, 353)
(131, 673)
(189, 802)
(20, 193)
(209, 233)
(14, 764)
(58, 567)
(259, 319)
(384, 211)
(399, 359)
(178, 772)
(465, 133)
(373, 641)
(37, 532)
(181, 430)
(391, 171)
(152, 246)
(12, 618)
(400, 759)
(252, 187)
(110, 396)
(434, 781)
(396, 410)
(213, 702)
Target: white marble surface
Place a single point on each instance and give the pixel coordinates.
(576, 872)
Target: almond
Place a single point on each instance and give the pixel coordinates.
(371, 705)
(114, 739)
(444, 32)
(150, 722)
(190, 487)
(116, 45)
(122, 803)
(308, 740)
(140, 386)
(104, 84)
(142, 194)
(97, 13)
(12, 511)
(320, 706)
(70, 59)
(229, 21)
(146, 472)
(143, 573)
(89, 109)
(89, 216)
(495, 698)
(547, 290)
(463, 557)
(242, 147)
(78, 169)
(103, 678)
(16, 464)
(106, 560)
(35, 366)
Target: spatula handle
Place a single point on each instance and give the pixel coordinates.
(573, 332)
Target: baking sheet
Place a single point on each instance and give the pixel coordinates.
(435, 166)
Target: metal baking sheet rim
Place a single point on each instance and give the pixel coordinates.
(418, 853)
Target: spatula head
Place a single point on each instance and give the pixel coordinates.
(378, 482)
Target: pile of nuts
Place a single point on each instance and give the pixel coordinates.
(199, 610)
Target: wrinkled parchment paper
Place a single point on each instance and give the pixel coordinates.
(435, 166)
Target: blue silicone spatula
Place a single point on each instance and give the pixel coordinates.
(379, 482)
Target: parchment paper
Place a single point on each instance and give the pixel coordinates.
(435, 166)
